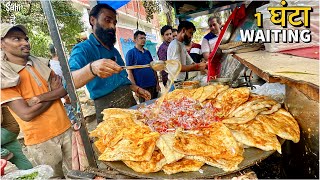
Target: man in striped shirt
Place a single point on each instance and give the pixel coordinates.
(209, 40)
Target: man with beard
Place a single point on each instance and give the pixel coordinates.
(166, 33)
(174, 33)
(32, 92)
(177, 50)
(209, 40)
(97, 64)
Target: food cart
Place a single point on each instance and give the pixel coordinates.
(302, 101)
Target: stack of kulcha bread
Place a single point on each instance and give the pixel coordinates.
(209, 125)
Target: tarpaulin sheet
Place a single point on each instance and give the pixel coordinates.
(114, 4)
(310, 52)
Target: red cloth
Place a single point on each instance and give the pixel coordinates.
(79, 157)
(310, 52)
(3, 164)
(194, 45)
(214, 63)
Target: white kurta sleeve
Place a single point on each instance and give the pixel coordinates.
(205, 47)
(174, 52)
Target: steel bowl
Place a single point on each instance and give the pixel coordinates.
(190, 84)
(221, 81)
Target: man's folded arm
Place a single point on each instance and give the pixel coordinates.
(26, 112)
(52, 95)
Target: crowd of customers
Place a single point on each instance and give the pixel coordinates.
(34, 99)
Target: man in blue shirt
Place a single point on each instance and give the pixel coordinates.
(145, 77)
(97, 64)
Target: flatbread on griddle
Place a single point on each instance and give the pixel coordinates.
(120, 113)
(250, 109)
(134, 146)
(229, 164)
(100, 145)
(273, 109)
(111, 126)
(256, 105)
(198, 93)
(211, 91)
(252, 100)
(165, 144)
(216, 140)
(183, 165)
(217, 90)
(254, 134)
(179, 94)
(230, 99)
(155, 164)
(282, 124)
(132, 132)
(246, 117)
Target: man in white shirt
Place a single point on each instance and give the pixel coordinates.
(177, 50)
(56, 67)
(54, 61)
(209, 40)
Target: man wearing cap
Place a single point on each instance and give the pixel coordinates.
(96, 63)
(32, 92)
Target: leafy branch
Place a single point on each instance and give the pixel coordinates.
(151, 7)
(32, 16)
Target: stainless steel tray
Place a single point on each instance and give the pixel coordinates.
(251, 156)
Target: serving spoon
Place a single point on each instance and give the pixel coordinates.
(155, 65)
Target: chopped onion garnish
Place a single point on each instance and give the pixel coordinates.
(184, 113)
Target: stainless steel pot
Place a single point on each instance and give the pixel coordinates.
(221, 81)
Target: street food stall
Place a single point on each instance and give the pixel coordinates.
(300, 109)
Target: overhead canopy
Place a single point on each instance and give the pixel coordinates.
(192, 9)
(114, 4)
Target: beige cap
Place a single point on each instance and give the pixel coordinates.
(6, 27)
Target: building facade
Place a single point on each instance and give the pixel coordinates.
(131, 17)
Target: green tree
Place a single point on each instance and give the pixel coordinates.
(32, 16)
(151, 7)
(166, 18)
(198, 35)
